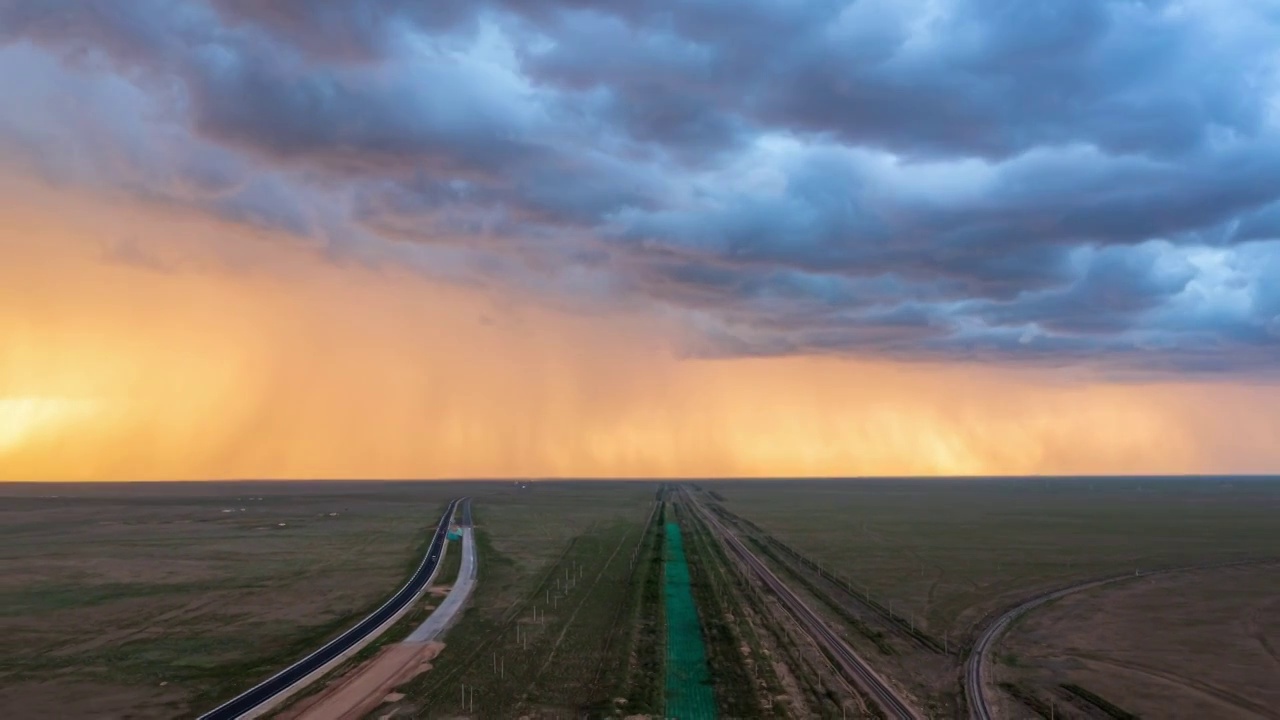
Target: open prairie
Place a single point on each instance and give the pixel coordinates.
(554, 626)
(157, 600)
(947, 552)
(910, 570)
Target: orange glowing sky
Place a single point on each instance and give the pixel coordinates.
(659, 240)
(141, 342)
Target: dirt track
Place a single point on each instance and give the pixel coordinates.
(358, 694)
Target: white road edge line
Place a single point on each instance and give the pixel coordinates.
(277, 699)
(443, 617)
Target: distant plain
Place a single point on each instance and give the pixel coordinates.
(575, 656)
(159, 600)
(949, 551)
(162, 598)
(948, 555)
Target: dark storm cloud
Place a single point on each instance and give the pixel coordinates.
(1261, 224)
(359, 30)
(988, 77)
(247, 89)
(1094, 181)
(1113, 287)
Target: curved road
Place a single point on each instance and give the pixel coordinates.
(252, 699)
(976, 670)
(442, 617)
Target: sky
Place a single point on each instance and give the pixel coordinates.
(558, 238)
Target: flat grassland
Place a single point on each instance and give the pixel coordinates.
(1199, 644)
(948, 552)
(561, 553)
(945, 556)
(159, 600)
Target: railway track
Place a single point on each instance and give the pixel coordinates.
(800, 565)
(848, 663)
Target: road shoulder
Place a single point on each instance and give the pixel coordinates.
(357, 694)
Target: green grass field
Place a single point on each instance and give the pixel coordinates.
(947, 552)
(160, 600)
(910, 570)
(139, 598)
(560, 552)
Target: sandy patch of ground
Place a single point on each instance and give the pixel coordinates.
(1186, 645)
(357, 694)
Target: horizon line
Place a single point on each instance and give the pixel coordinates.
(691, 478)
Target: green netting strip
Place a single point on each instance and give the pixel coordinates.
(689, 692)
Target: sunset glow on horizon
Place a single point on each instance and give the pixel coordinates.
(237, 244)
(121, 369)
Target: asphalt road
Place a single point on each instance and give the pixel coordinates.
(253, 698)
(852, 666)
(977, 670)
(442, 617)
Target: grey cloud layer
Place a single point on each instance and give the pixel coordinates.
(1085, 182)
